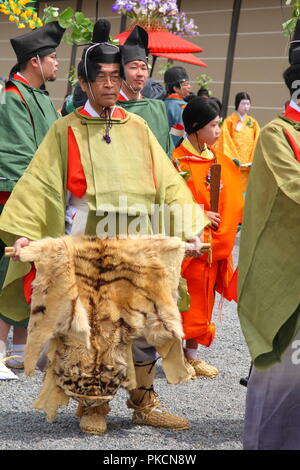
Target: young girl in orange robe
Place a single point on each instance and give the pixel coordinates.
(204, 275)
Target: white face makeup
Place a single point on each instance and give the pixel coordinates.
(244, 107)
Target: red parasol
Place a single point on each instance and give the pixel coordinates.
(163, 41)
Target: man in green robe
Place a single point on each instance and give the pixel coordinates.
(135, 63)
(269, 277)
(26, 113)
(102, 169)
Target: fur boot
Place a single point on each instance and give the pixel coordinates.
(93, 418)
(147, 408)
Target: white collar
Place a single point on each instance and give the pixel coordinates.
(22, 76)
(89, 109)
(294, 106)
(240, 116)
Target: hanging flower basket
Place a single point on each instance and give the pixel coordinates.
(149, 24)
(156, 15)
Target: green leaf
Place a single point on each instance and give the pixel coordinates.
(67, 14)
(289, 26)
(81, 19)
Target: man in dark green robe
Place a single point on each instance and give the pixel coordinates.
(26, 115)
(269, 278)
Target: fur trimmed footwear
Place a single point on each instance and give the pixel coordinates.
(93, 418)
(202, 368)
(147, 408)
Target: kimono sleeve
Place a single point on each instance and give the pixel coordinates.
(274, 148)
(36, 207)
(225, 143)
(173, 192)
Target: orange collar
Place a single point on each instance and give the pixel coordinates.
(175, 96)
(118, 113)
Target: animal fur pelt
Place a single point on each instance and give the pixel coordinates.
(91, 298)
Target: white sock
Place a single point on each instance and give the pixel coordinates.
(17, 350)
(192, 353)
(2, 348)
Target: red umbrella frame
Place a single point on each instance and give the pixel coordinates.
(182, 57)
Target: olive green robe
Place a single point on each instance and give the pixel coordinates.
(269, 267)
(132, 165)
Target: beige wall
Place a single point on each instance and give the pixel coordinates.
(260, 55)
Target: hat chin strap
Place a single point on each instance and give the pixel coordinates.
(41, 68)
(133, 90)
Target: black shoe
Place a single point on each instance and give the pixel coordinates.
(244, 381)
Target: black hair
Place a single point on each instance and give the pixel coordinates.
(170, 88)
(199, 112)
(290, 75)
(190, 97)
(218, 102)
(203, 92)
(242, 95)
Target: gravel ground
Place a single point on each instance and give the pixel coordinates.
(215, 407)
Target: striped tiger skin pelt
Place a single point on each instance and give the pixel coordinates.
(91, 298)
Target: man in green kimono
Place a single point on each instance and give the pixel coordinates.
(26, 113)
(269, 277)
(101, 169)
(135, 63)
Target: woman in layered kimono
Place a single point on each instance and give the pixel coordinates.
(239, 136)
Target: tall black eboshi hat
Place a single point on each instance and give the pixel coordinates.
(100, 49)
(40, 41)
(136, 46)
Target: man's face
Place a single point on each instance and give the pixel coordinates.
(184, 90)
(136, 73)
(106, 87)
(49, 65)
(244, 107)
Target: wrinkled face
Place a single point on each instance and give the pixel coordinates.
(209, 133)
(136, 73)
(184, 90)
(49, 65)
(244, 107)
(106, 87)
